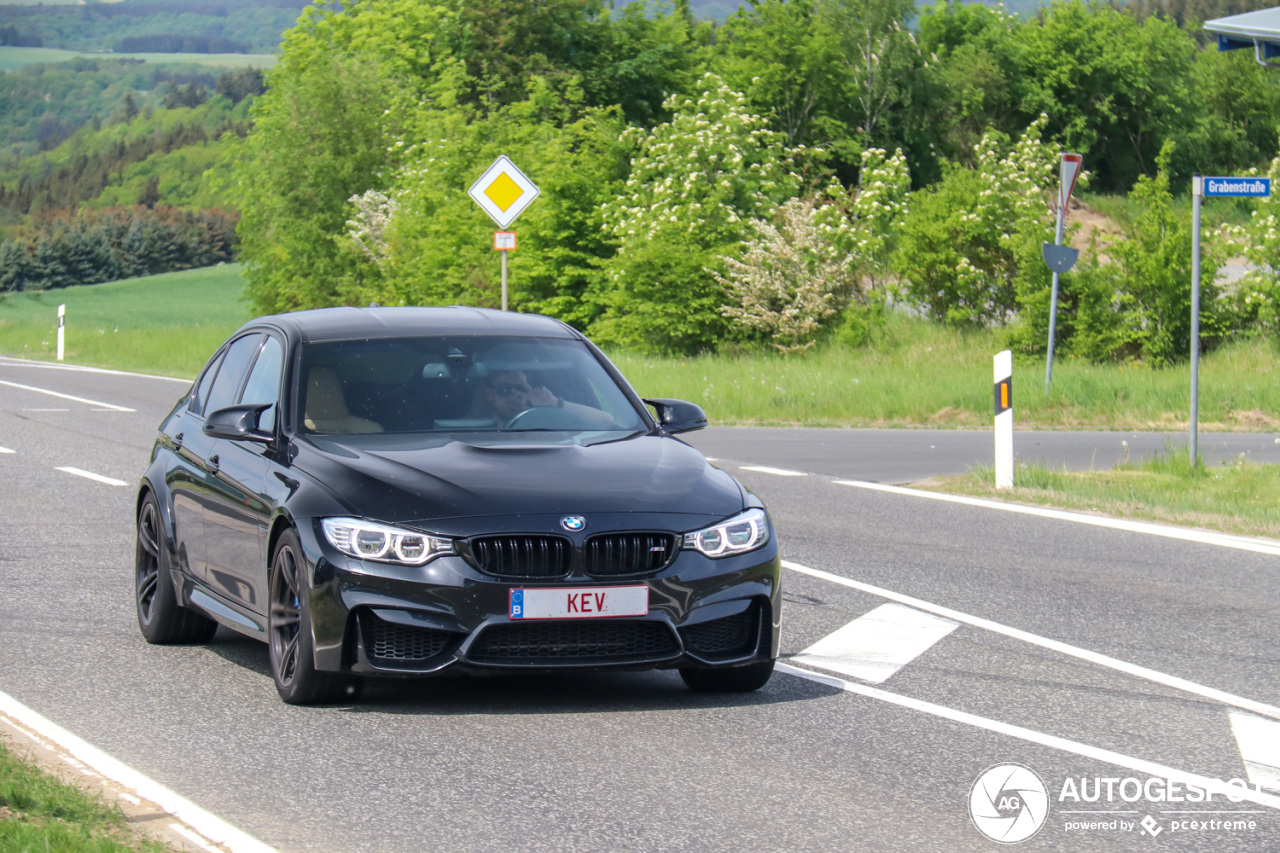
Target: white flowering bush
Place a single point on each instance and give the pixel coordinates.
(970, 245)
(369, 227)
(812, 260)
(1256, 297)
(792, 276)
(696, 184)
(704, 174)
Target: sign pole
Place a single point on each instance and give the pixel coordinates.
(1197, 190)
(62, 317)
(1053, 311)
(1057, 257)
(504, 281)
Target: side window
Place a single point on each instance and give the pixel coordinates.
(206, 381)
(264, 382)
(227, 385)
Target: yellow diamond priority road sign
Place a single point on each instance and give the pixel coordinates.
(503, 191)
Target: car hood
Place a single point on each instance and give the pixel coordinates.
(398, 479)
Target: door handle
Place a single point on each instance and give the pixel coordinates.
(213, 462)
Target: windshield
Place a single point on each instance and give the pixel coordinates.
(458, 384)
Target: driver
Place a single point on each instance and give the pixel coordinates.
(509, 393)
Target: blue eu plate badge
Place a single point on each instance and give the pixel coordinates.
(517, 604)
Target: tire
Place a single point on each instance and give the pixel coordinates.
(289, 634)
(161, 619)
(737, 679)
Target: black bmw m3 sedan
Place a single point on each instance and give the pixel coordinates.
(391, 492)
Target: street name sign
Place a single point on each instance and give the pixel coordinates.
(1247, 187)
(503, 192)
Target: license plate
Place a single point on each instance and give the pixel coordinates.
(579, 602)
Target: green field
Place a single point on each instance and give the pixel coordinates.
(17, 57)
(165, 324)
(921, 374)
(916, 374)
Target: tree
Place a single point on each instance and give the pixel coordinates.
(1114, 90)
(970, 245)
(880, 55)
(786, 59)
(695, 184)
(972, 80)
(1145, 310)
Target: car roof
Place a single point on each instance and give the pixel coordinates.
(344, 324)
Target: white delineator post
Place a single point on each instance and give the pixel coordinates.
(1004, 419)
(62, 316)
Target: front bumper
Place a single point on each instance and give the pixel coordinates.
(447, 616)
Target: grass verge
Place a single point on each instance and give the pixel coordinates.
(166, 324)
(921, 374)
(40, 813)
(1240, 497)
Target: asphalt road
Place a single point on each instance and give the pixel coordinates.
(911, 455)
(1080, 652)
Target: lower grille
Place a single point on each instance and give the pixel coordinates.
(521, 556)
(559, 641)
(731, 635)
(387, 642)
(628, 553)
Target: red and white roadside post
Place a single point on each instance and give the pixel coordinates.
(1057, 257)
(1004, 419)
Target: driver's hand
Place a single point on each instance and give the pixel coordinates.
(540, 396)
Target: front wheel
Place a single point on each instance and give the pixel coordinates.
(160, 618)
(737, 679)
(289, 634)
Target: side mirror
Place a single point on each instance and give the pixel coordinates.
(678, 415)
(238, 423)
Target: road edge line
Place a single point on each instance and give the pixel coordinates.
(1155, 676)
(81, 368)
(1187, 534)
(1119, 759)
(206, 823)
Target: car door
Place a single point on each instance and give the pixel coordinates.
(236, 516)
(187, 479)
(200, 453)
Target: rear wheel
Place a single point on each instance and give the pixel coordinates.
(160, 617)
(289, 628)
(737, 679)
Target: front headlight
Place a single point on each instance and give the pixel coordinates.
(738, 535)
(383, 543)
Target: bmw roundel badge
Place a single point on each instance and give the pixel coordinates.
(573, 523)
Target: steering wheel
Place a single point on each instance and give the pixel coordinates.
(549, 417)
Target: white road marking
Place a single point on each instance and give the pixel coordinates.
(89, 475)
(9, 361)
(1224, 540)
(208, 825)
(1138, 765)
(6, 450)
(1143, 672)
(1259, 742)
(877, 644)
(110, 406)
(780, 472)
(193, 838)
